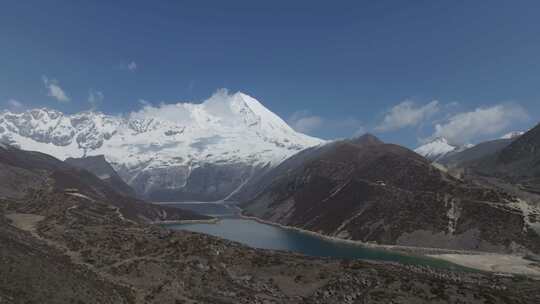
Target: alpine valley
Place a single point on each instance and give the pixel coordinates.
(75, 217)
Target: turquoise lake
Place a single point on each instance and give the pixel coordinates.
(264, 236)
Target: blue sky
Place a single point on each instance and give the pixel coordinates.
(404, 70)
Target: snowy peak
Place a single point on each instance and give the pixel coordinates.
(436, 149)
(262, 116)
(226, 127)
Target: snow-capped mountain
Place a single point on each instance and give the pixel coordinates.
(435, 149)
(177, 151)
(439, 148)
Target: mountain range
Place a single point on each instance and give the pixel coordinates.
(192, 152)
(73, 226)
(440, 150)
(232, 148)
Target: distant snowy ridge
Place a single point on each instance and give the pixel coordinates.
(436, 149)
(158, 148)
(439, 147)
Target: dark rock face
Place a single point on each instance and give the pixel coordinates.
(102, 169)
(517, 163)
(388, 194)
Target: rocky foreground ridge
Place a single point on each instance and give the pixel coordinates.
(59, 248)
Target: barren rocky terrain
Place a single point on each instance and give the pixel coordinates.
(60, 248)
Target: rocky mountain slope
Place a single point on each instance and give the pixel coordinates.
(104, 171)
(476, 152)
(517, 163)
(440, 151)
(370, 191)
(176, 152)
(27, 174)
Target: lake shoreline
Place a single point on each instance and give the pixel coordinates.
(214, 220)
(495, 263)
(477, 260)
(502, 264)
(410, 250)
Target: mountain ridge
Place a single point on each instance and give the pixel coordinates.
(390, 195)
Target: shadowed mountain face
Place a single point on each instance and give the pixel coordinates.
(517, 163)
(104, 171)
(525, 148)
(27, 173)
(366, 190)
(476, 152)
(263, 180)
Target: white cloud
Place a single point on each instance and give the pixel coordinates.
(14, 104)
(465, 127)
(219, 104)
(95, 98)
(144, 103)
(54, 90)
(132, 66)
(304, 122)
(222, 106)
(407, 114)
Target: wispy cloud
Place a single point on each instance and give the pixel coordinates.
(54, 90)
(14, 104)
(305, 122)
(467, 127)
(302, 121)
(131, 66)
(407, 114)
(95, 98)
(144, 103)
